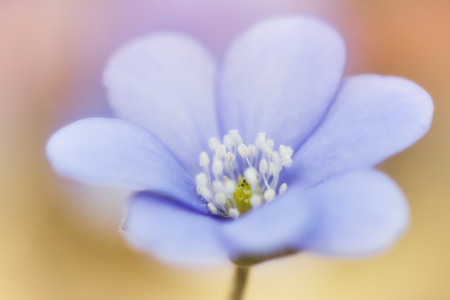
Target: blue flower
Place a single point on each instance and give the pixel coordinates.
(294, 171)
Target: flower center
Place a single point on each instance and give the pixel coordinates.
(239, 185)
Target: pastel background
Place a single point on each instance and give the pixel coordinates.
(58, 238)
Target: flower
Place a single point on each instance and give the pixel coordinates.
(282, 79)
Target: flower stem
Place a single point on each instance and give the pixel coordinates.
(240, 280)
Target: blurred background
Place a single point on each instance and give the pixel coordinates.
(59, 239)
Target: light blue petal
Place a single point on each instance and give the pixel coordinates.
(270, 229)
(165, 83)
(173, 233)
(372, 118)
(279, 78)
(116, 152)
(357, 214)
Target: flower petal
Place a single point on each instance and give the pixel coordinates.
(165, 82)
(173, 233)
(359, 213)
(270, 229)
(116, 152)
(279, 78)
(372, 118)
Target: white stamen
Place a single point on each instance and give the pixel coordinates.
(243, 151)
(220, 199)
(214, 143)
(261, 141)
(289, 164)
(276, 170)
(290, 151)
(201, 179)
(268, 152)
(269, 195)
(212, 208)
(206, 193)
(276, 157)
(252, 151)
(255, 201)
(271, 168)
(228, 142)
(217, 168)
(230, 187)
(282, 189)
(229, 157)
(270, 144)
(251, 176)
(234, 213)
(218, 185)
(263, 166)
(235, 137)
(286, 161)
(221, 150)
(204, 159)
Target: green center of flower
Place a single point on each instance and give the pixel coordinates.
(242, 195)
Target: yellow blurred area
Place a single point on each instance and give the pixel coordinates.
(51, 250)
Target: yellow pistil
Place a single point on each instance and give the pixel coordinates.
(243, 194)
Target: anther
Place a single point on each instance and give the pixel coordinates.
(201, 179)
(252, 151)
(288, 164)
(288, 151)
(234, 213)
(263, 166)
(270, 144)
(212, 208)
(235, 137)
(206, 193)
(220, 199)
(276, 157)
(217, 168)
(269, 195)
(229, 157)
(282, 189)
(271, 168)
(217, 186)
(214, 143)
(261, 141)
(204, 159)
(221, 150)
(243, 151)
(255, 201)
(268, 151)
(251, 176)
(286, 161)
(229, 187)
(228, 142)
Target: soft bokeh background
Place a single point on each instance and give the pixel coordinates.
(58, 239)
